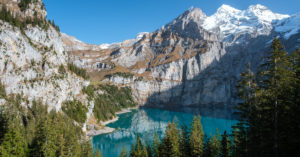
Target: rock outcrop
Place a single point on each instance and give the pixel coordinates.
(30, 61)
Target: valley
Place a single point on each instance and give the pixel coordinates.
(63, 97)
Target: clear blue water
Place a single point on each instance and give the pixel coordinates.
(148, 121)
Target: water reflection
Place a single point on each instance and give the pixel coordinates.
(147, 121)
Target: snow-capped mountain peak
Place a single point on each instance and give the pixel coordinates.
(227, 9)
(262, 13)
(258, 6)
(256, 19)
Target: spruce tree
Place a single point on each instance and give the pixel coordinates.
(156, 145)
(13, 144)
(184, 141)
(87, 149)
(277, 77)
(196, 137)
(246, 90)
(53, 24)
(144, 153)
(139, 147)
(170, 143)
(149, 149)
(44, 141)
(124, 152)
(208, 147)
(98, 153)
(292, 117)
(225, 152)
(133, 153)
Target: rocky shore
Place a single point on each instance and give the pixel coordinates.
(107, 130)
(99, 132)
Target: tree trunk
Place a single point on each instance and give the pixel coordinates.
(275, 118)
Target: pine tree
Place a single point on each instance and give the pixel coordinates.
(124, 152)
(208, 147)
(44, 142)
(184, 141)
(139, 147)
(170, 143)
(277, 77)
(196, 137)
(62, 69)
(156, 145)
(225, 145)
(292, 117)
(133, 153)
(149, 149)
(144, 153)
(60, 140)
(53, 24)
(71, 145)
(13, 144)
(87, 149)
(246, 90)
(98, 153)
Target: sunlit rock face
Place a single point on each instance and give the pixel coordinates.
(147, 122)
(29, 63)
(195, 59)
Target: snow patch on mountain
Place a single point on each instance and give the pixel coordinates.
(73, 44)
(289, 26)
(105, 46)
(231, 21)
(140, 35)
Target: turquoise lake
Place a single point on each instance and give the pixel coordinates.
(147, 121)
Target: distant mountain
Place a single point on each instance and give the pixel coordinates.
(194, 59)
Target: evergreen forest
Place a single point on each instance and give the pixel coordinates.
(33, 131)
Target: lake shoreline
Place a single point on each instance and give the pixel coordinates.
(126, 110)
(107, 130)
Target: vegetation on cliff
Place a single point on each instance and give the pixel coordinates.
(15, 20)
(118, 98)
(111, 100)
(124, 74)
(78, 71)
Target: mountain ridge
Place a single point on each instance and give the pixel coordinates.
(190, 61)
(264, 19)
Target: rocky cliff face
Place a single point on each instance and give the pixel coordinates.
(29, 64)
(194, 59)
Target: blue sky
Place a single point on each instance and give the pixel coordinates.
(110, 21)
